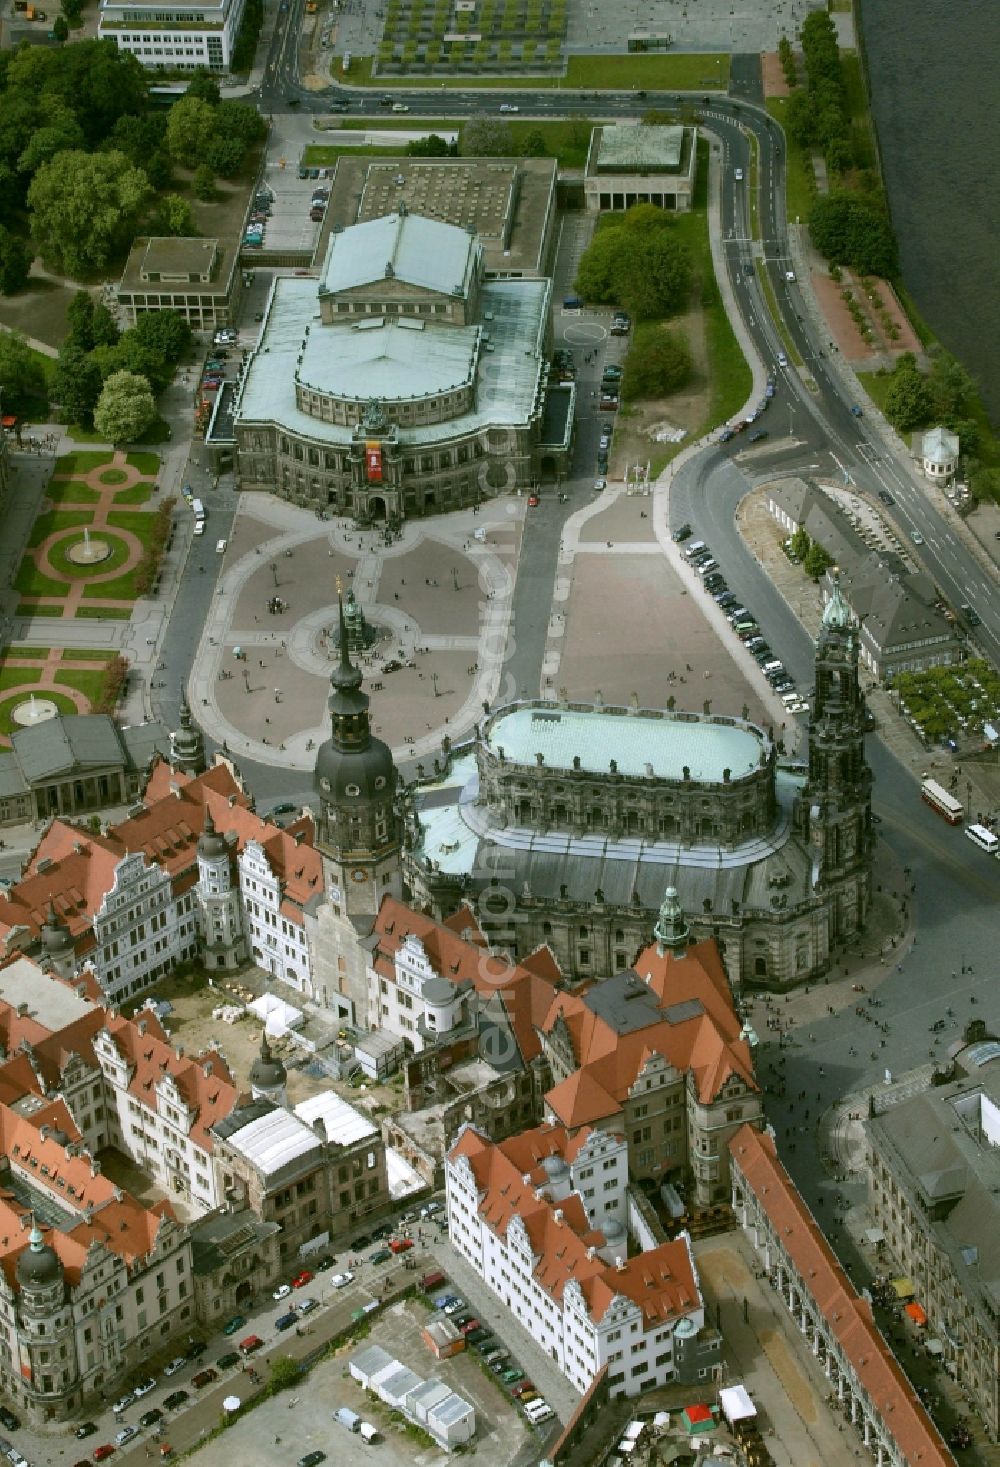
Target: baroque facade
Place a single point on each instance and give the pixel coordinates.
(562, 824)
(408, 385)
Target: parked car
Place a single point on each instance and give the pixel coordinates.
(150, 1418)
(760, 434)
(123, 1402)
(176, 1399)
(232, 1325)
(250, 1344)
(86, 1428)
(306, 1306)
(228, 1360)
(455, 1305)
(301, 1279)
(195, 1350)
(470, 1325)
(281, 1292)
(311, 1459)
(380, 1234)
(477, 1337)
(204, 1377)
(360, 1243)
(522, 1389)
(103, 1452)
(326, 1261)
(285, 1321)
(400, 1245)
(123, 1437)
(144, 1387)
(381, 1255)
(341, 1280)
(510, 1377)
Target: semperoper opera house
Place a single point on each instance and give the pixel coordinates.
(408, 384)
(563, 823)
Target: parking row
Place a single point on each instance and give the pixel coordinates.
(496, 1358)
(742, 620)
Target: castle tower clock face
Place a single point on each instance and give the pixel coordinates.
(359, 874)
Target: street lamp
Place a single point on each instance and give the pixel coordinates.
(437, 693)
(274, 572)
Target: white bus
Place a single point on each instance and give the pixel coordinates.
(939, 799)
(983, 838)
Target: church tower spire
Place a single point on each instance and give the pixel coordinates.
(359, 831)
(672, 932)
(187, 746)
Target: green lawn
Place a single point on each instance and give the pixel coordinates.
(567, 140)
(675, 71)
(799, 190)
(31, 582)
(58, 519)
(141, 525)
(87, 654)
(103, 613)
(146, 463)
(60, 561)
(137, 494)
(72, 493)
(62, 701)
(122, 588)
(25, 608)
(730, 378)
(113, 476)
(80, 434)
(80, 462)
(17, 677)
(324, 155)
(89, 682)
(876, 384)
(38, 653)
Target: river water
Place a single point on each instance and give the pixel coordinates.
(933, 73)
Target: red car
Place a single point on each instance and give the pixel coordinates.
(400, 1245)
(102, 1453)
(300, 1281)
(469, 1326)
(250, 1344)
(533, 501)
(204, 1378)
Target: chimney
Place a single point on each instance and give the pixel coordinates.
(558, 1216)
(208, 1069)
(142, 1026)
(620, 1265)
(95, 1167)
(44, 1132)
(591, 1254)
(319, 1126)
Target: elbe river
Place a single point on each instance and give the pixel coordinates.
(935, 93)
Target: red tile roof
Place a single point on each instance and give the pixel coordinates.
(707, 1043)
(74, 868)
(204, 1080)
(661, 1281)
(848, 1317)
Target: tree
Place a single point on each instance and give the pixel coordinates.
(190, 130)
(817, 561)
(799, 543)
(285, 1373)
(174, 216)
(241, 122)
(134, 356)
(96, 81)
(15, 262)
(72, 10)
(103, 326)
(430, 147)
(203, 183)
(85, 208)
(80, 318)
(636, 260)
(125, 408)
(164, 331)
(969, 434)
(534, 145)
(22, 380)
(487, 137)
(225, 156)
(908, 401)
(851, 230)
(76, 385)
(60, 30)
(800, 119)
(204, 86)
(658, 363)
(61, 131)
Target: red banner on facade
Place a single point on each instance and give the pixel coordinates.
(373, 458)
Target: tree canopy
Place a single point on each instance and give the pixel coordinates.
(84, 208)
(658, 362)
(852, 230)
(15, 262)
(125, 408)
(487, 137)
(76, 385)
(22, 379)
(635, 260)
(909, 403)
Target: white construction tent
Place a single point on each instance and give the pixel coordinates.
(276, 1015)
(736, 1404)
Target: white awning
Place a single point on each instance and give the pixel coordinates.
(736, 1404)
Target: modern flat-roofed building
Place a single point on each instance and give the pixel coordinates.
(175, 37)
(198, 278)
(633, 163)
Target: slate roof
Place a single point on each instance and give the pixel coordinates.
(420, 251)
(79, 742)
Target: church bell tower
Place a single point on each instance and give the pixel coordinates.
(836, 801)
(359, 831)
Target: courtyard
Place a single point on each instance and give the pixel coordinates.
(35, 682)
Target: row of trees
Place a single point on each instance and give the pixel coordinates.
(854, 229)
(819, 115)
(636, 260)
(95, 352)
(84, 164)
(814, 559)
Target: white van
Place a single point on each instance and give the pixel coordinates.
(368, 1433)
(983, 838)
(198, 508)
(347, 1418)
(695, 548)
